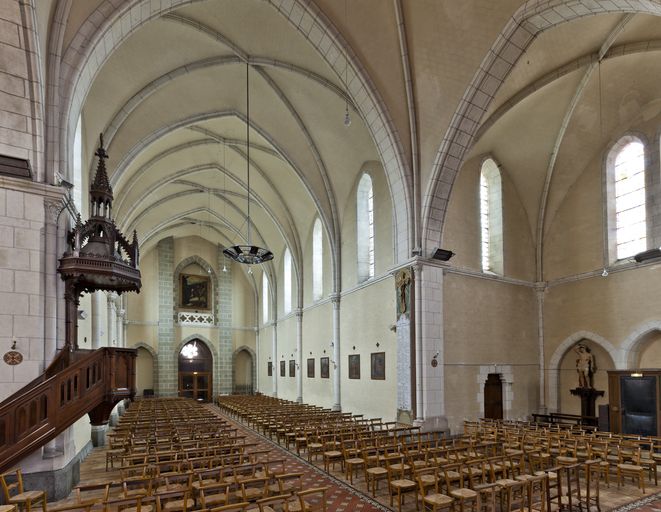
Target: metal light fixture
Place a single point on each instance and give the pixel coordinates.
(248, 254)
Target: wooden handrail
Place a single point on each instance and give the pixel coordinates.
(82, 382)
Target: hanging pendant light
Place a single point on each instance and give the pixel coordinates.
(248, 254)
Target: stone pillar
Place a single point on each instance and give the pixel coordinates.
(167, 359)
(337, 374)
(119, 329)
(223, 366)
(539, 291)
(274, 349)
(255, 364)
(97, 305)
(112, 321)
(99, 435)
(299, 355)
(52, 210)
(430, 359)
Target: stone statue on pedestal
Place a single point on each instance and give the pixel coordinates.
(585, 366)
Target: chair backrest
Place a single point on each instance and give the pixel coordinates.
(314, 499)
(12, 484)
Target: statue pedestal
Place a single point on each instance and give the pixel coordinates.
(588, 398)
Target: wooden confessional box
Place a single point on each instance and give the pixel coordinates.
(634, 401)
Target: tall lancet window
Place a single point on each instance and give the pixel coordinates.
(629, 184)
(287, 281)
(78, 165)
(365, 228)
(317, 261)
(265, 298)
(491, 218)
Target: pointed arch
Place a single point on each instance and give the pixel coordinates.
(554, 362)
(631, 346)
(253, 359)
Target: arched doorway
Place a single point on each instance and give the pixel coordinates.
(144, 374)
(493, 397)
(195, 371)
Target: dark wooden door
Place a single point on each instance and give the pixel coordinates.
(195, 385)
(493, 397)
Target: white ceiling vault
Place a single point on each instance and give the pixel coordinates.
(429, 85)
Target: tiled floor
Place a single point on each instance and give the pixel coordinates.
(343, 497)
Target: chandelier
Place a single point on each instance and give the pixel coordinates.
(190, 351)
(248, 254)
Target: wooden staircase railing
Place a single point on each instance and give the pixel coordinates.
(76, 383)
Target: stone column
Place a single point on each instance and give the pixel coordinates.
(167, 359)
(337, 375)
(99, 435)
(255, 364)
(430, 358)
(112, 320)
(274, 349)
(52, 209)
(223, 379)
(97, 305)
(119, 329)
(299, 355)
(540, 289)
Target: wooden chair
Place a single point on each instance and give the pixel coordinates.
(429, 493)
(311, 500)
(373, 471)
(174, 501)
(398, 485)
(287, 483)
(332, 455)
(15, 494)
(232, 507)
(253, 489)
(352, 459)
(454, 482)
(214, 495)
(629, 465)
(275, 503)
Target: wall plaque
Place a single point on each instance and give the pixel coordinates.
(13, 358)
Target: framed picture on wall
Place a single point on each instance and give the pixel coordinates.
(292, 368)
(311, 368)
(282, 368)
(269, 369)
(378, 365)
(194, 291)
(323, 363)
(354, 366)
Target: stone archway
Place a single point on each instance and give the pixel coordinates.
(244, 387)
(507, 379)
(553, 401)
(154, 360)
(636, 341)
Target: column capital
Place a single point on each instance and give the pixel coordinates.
(335, 298)
(299, 313)
(52, 208)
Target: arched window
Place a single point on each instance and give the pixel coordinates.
(627, 216)
(365, 229)
(317, 261)
(78, 166)
(287, 283)
(265, 298)
(491, 218)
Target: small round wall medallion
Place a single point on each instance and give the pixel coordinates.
(13, 358)
(434, 363)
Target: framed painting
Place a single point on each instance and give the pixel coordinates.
(354, 366)
(311, 368)
(323, 363)
(378, 365)
(282, 368)
(269, 369)
(194, 292)
(292, 368)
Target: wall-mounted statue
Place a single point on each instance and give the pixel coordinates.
(403, 285)
(585, 366)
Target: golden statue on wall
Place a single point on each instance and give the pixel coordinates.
(403, 286)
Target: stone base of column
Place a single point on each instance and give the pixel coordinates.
(120, 408)
(114, 419)
(336, 407)
(299, 399)
(99, 435)
(433, 424)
